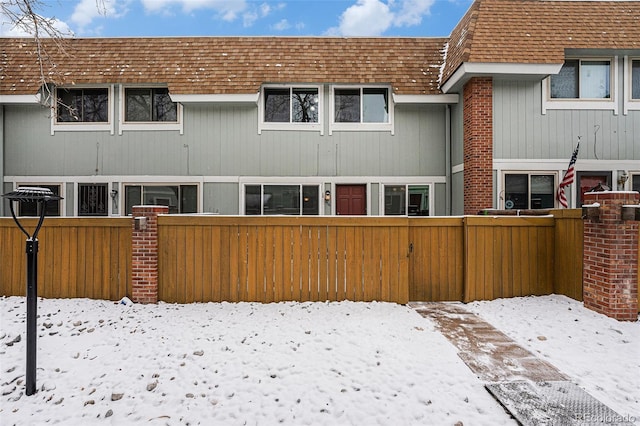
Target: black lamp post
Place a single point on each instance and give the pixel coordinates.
(39, 196)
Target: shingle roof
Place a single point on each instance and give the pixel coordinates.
(539, 31)
(224, 65)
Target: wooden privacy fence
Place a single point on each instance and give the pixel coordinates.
(215, 258)
(282, 258)
(78, 257)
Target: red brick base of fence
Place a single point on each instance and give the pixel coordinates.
(610, 273)
(144, 262)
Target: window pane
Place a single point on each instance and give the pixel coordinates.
(418, 200)
(347, 105)
(310, 196)
(92, 199)
(635, 183)
(516, 191)
(31, 208)
(276, 105)
(69, 105)
(138, 106)
(594, 80)
(95, 105)
(565, 83)
(394, 199)
(161, 196)
(635, 79)
(252, 197)
(164, 109)
(281, 199)
(305, 106)
(542, 191)
(188, 198)
(375, 105)
(132, 197)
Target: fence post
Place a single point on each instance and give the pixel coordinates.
(144, 262)
(610, 277)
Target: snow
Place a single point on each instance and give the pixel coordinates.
(339, 363)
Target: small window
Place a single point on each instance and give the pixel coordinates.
(582, 79)
(93, 199)
(179, 198)
(82, 105)
(529, 191)
(362, 105)
(396, 202)
(635, 79)
(635, 182)
(31, 208)
(291, 105)
(149, 105)
(282, 200)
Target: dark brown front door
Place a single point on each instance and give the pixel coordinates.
(589, 180)
(351, 199)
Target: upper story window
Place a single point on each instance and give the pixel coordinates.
(149, 105)
(148, 108)
(361, 108)
(82, 105)
(290, 108)
(582, 79)
(583, 84)
(635, 79)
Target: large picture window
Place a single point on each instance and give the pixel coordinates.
(529, 191)
(282, 200)
(179, 198)
(582, 79)
(82, 105)
(397, 203)
(149, 105)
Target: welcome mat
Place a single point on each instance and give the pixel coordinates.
(554, 404)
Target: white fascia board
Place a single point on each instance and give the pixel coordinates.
(216, 98)
(452, 98)
(475, 69)
(20, 99)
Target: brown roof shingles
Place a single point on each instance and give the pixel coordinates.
(223, 65)
(539, 31)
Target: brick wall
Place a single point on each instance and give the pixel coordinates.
(478, 144)
(144, 263)
(610, 272)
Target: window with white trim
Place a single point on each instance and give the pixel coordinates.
(582, 79)
(286, 107)
(397, 203)
(282, 199)
(179, 198)
(32, 208)
(87, 105)
(635, 79)
(361, 108)
(635, 182)
(529, 190)
(149, 104)
(93, 199)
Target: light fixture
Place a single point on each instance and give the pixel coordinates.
(327, 196)
(623, 178)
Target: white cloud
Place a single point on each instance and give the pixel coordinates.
(9, 27)
(281, 25)
(374, 17)
(228, 10)
(86, 11)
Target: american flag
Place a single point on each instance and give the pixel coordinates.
(568, 177)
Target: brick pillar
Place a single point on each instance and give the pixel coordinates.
(144, 264)
(610, 277)
(478, 144)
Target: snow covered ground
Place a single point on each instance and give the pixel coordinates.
(343, 363)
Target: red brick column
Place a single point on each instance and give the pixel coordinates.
(610, 273)
(478, 144)
(144, 264)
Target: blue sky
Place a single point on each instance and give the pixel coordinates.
(113, 18)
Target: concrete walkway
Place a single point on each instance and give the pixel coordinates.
(532, 390)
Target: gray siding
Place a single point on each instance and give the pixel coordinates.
(521, 131)
(457, 141)
(222, 140)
